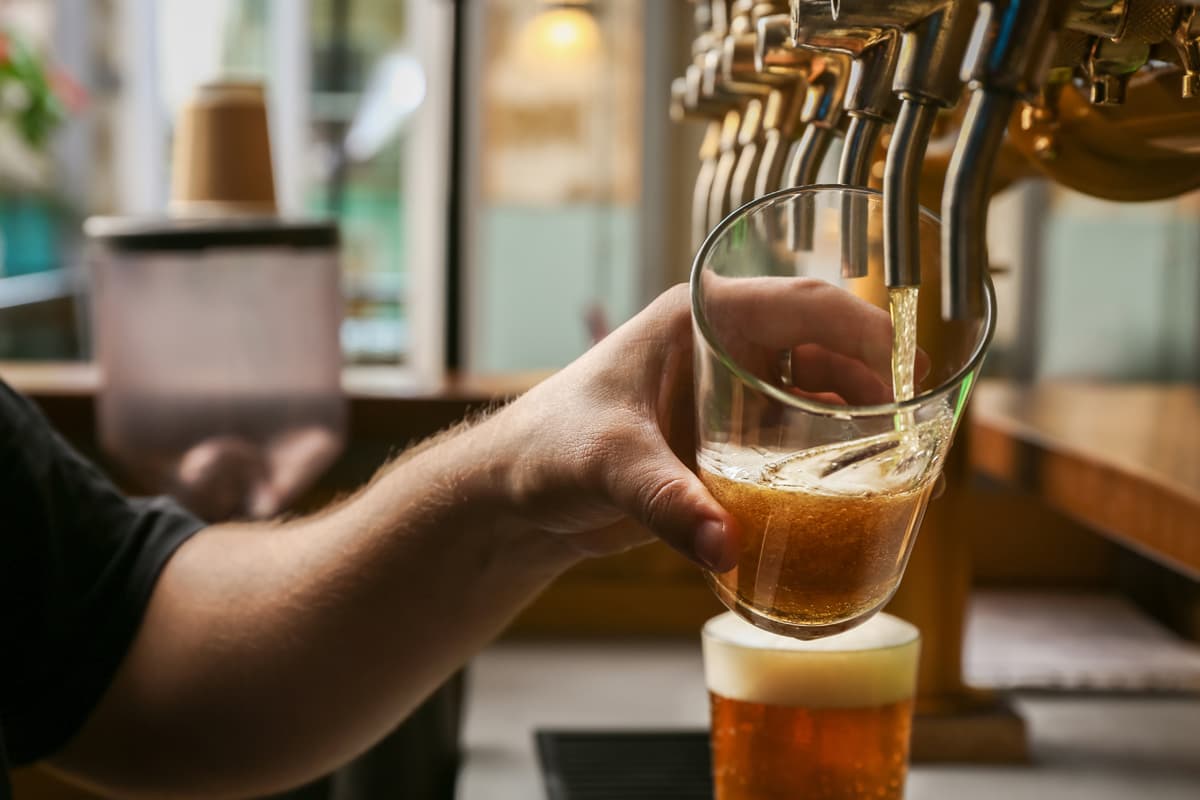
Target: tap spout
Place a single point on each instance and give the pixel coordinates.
(823, 108)
(965, 202)
(802, 168)
(1012, 48)
(806, 157)
(901, 192)
(858, 156)
(870, 105)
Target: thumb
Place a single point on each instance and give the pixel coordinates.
(654, 487)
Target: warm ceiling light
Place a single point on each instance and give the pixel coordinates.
(561, 35)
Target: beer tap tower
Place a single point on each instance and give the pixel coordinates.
(1102, 96)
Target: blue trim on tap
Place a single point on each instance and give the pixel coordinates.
(824, 107)
(1006, 26)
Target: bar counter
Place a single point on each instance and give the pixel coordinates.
(1099, 746)
(1123, 459)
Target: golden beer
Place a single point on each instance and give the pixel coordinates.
(820, 551)
(819, 560)
(819, 720)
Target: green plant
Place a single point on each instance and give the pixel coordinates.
(30, 91)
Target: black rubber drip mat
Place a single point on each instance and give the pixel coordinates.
(625, 765)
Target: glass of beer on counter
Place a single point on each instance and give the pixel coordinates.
(826, 402)
(828, 719)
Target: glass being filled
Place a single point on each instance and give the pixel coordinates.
(826, 405)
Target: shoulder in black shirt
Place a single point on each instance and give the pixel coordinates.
(77, 564)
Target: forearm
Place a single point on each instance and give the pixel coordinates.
(270, 654)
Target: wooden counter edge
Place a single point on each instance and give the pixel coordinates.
(82, 379)
(1129, 503)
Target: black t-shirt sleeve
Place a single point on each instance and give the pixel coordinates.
(78, 562)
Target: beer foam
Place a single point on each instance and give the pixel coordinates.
(871, 665)
(906, 460)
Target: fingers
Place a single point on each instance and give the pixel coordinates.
(755, 318)
(778, 313)
(815, 369)
(648, 482)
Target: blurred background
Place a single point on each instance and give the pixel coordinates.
(478, 170)
(536, 193)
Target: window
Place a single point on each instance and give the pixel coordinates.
(556, 216)
(358, 97)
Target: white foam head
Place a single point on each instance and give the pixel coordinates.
(871, 665)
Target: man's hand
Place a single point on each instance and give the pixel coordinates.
(613, 434)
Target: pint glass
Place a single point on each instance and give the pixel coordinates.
(828, 719)
(822, 426)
